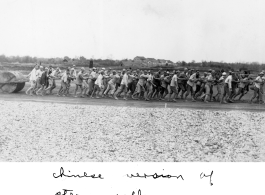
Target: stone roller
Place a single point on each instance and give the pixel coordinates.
(12, 81)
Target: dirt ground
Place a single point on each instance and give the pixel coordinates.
(56, 132)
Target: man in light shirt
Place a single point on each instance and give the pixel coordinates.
(227, 88)
(38, 76)
(140, 85)
(220, 88)
(98, 85)
(191, 85)
(123, 87)
(112, 83)
(91, 81)
(174, 86)
(208, 86)
(32, 79)
(79, 82)
(219, 82)
(62, 90)
(258, 84)
(150, 86)
(106, 79)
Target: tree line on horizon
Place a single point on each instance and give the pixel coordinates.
(82, 61)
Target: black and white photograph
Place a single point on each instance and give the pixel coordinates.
(132, 81)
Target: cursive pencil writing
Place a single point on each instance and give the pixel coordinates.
(65, 192)
(154, 176)
(202, 175)
(139, 192)
(62, 174)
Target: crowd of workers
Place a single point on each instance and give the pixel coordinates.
(148, 84)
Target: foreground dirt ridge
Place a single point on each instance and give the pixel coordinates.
(64, 132)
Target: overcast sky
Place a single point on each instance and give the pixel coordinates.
(216, 30)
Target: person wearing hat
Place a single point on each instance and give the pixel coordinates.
(235, 81)
(79, 82)
(258, 83)
(227, 89)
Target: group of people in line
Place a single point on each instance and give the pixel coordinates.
(148, 85)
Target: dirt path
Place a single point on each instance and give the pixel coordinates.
(134, 103)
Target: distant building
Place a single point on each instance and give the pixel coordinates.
(161, 61)
(139, 58)
(151, 61)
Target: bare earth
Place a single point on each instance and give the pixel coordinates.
(120, 131)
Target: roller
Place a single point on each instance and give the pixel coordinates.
(12, 81)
